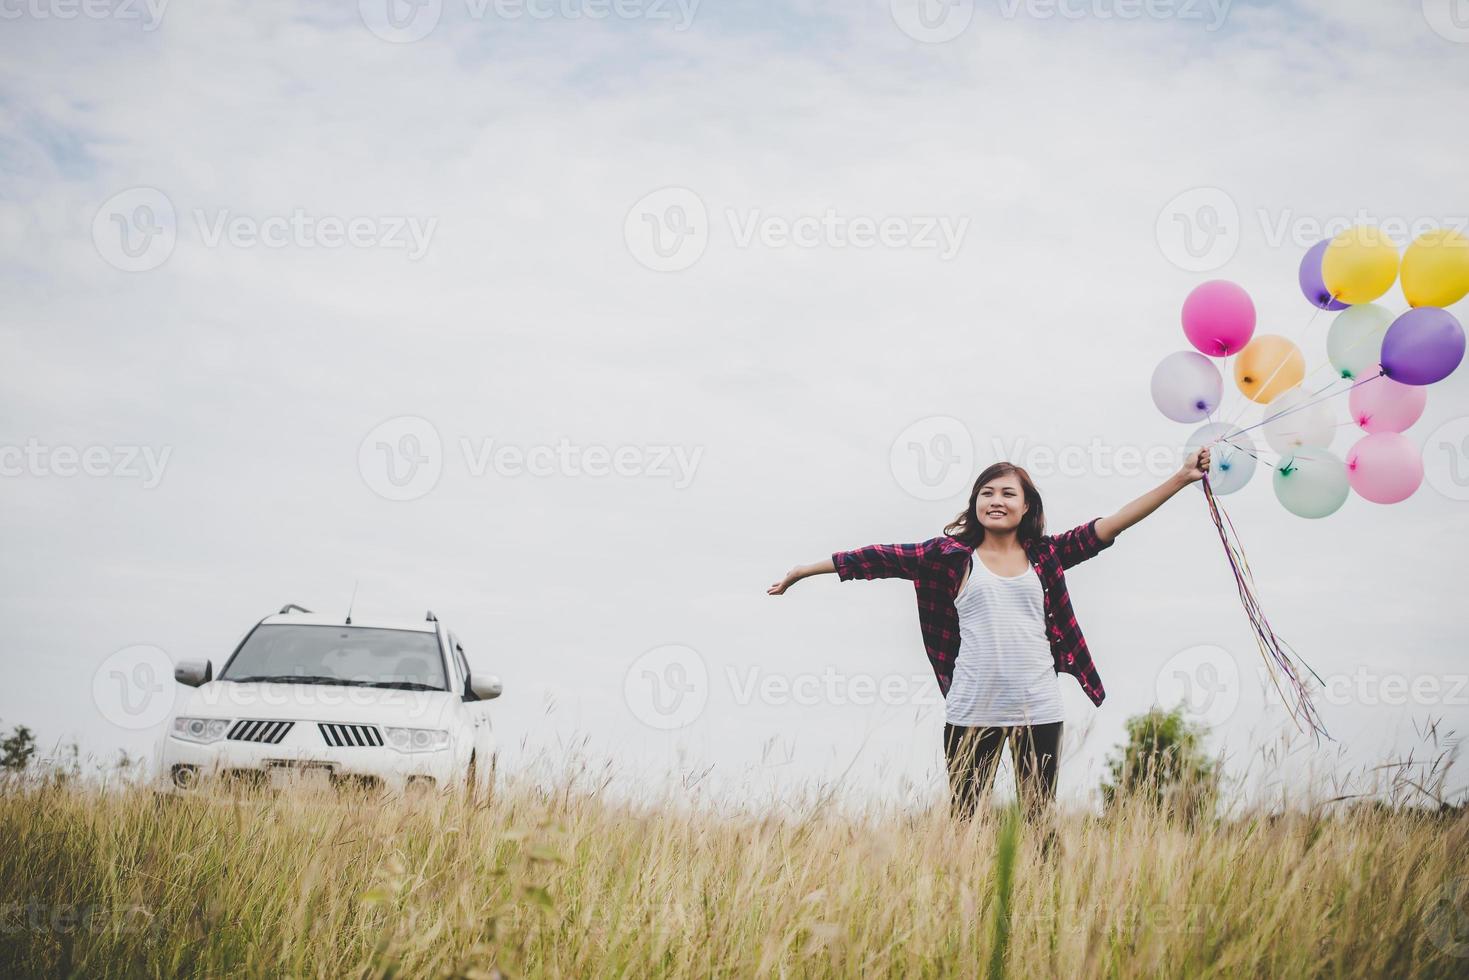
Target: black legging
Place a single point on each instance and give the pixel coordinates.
(973, 754)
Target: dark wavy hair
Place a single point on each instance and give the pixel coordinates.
(966, 526)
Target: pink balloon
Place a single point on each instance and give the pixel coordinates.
(1381, 404)
(1218, 318)
(1385, 467)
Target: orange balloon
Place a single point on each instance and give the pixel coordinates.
(1268, 365)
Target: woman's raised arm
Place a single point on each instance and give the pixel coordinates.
(1135, 510)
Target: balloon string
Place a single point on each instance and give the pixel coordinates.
(1307, 404)
(1353, 346)
(1347, 350)
(1300, 334)
(1272, 648)
(1249, 451)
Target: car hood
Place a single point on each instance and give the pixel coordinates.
(316, 702)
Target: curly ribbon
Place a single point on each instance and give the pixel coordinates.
(1272, 648)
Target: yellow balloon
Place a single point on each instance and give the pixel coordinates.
(1360, 265)
(1436, 269)
(1268, 365)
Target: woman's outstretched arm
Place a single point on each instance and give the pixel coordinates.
(1192, 470)
(873, 561)
(799, 572)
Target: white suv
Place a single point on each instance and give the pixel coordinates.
(318, 700)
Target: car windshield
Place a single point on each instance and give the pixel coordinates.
(353, 655)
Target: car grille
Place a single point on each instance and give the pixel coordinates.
(270, 732)
(349, 736)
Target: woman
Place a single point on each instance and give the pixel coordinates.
(998, 625)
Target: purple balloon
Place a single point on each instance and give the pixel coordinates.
(1312, 284)
(1422, 346)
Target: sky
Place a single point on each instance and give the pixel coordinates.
(580, 322)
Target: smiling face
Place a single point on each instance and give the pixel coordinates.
(1001, 503)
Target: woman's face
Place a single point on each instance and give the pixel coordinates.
(1001, 503)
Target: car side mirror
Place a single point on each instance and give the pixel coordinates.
(485, 687)
(193, 672)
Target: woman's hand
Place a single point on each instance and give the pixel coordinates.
(791, 578)
(1195, 466)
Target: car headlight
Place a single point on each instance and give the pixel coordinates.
(200, 729)
(417, 739)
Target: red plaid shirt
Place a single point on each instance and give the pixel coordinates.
(937, 566)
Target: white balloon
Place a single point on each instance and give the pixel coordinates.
(1232, 463)
(1313, 426)
(1187, 386)
(1354, 342)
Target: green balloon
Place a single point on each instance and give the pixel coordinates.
(1354, 342)
(1311, 482)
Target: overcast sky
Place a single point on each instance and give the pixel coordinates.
(738, 284)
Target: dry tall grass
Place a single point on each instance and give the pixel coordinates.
(541, 882)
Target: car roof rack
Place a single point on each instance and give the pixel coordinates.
(430, 618)
(292, 607)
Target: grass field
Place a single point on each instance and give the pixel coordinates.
(545, 883)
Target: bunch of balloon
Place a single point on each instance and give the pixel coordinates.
(1386, 361)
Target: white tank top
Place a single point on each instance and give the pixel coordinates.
(1004, 674)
